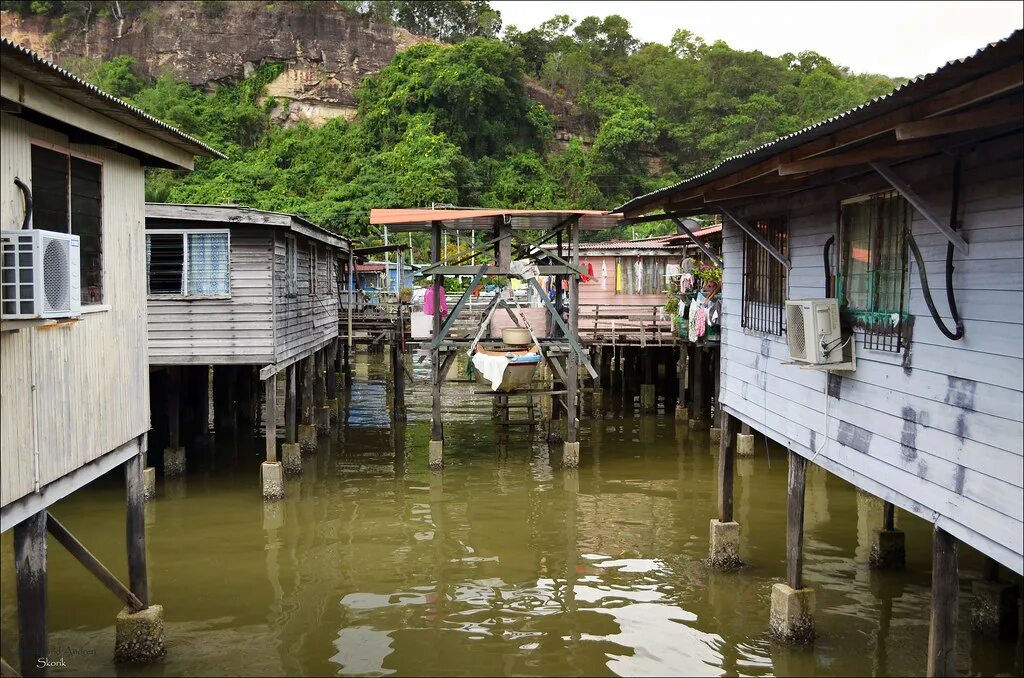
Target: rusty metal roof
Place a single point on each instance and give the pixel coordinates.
(485, 218)
(32, 66)
(950, 75)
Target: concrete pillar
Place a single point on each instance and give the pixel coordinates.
(148, 483)
(570, 455)
(139, 636)
(745, 444)
(715, 435)
(994, 605)
(792, 614)
(725, 545)
(174, 462)
(436, 455)
(291, 457)
(648, 399)
(272, 480)
(889, 551)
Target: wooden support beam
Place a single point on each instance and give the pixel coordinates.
(306, 368)
(333, 367)
(30, 573)
(91, 563)
(681, 374)
(319, 379)
(291, 407)
(858, 156)
(795, 521)
(945, 606)
(270, 416)
(696, 241)
(700, 409)
(573, 366)
(726, 463)
(920, 204)
(6, 670)
(135, 528)
(174, 407)
(888, 517)
(449, 322)
(436, 426)
(557, 317)
(757, 237)
(1002, 112)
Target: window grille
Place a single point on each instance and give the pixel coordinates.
(765, 283)
(872, 282)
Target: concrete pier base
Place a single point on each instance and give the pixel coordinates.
(291, 456)
(174, 462)
(888, 552)
(307, 438)
(994, 608)
(139, 637)
(792, 614)
(323, 420)
(272, 478)
(435, 457)
(699, 425)
(148, 483)
(715, 435)
(648, 400)
(724, 552)
(744, 444)
(334, 405)
(570, 455)
(682, 413)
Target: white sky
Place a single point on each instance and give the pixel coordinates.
(893, 38)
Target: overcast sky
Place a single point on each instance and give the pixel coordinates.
(893, 38)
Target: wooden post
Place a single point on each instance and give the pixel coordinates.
(306, 395)
(290, 406)
(573, 367)
(726, 463)
(700, 412)
(30, 572)
(945, 593)
(888, 517)
(332, 370)
(270, 416)
(795, 521)
(135, 528)
(398, 374)
(319, 378)
(174, 407)
(436, 427)
(681, 373)
(202, 396)
(717, 367)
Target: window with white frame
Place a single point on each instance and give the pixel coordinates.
(188, 263)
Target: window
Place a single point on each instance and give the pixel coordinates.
(872, 282)
(190, 264)
(640, 275)
(67, 197)
(291, 275)
(765, 283)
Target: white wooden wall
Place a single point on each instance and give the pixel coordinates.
(92, 385)
(304, 321)
(937, 431)
(238, 330)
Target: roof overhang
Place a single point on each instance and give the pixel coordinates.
(486, 219)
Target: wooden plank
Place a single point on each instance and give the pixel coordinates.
(945, 606)
(135, 528)
(859, 156)
(91, 563)
(920, 204)
(1005, 111)
(795, 520)
(30, 573)
(726, 463)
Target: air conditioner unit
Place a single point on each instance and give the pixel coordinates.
(39, 275)
(812, 328)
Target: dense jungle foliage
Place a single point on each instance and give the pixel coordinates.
(451, 123)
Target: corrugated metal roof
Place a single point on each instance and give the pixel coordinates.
(93, 97)
(484, 218)
(901, 96)
(238, 214)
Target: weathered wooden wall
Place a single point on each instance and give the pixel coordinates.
(90, 375)
(305, 320)
(236, 330)
(937, 431)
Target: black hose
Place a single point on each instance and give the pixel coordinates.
(827, 262)
(959, 333)
(27, 192)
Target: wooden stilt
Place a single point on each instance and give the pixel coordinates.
(888, 517)
(700, 412)
(30, 572)
(398, 376)
(135, 528)
(716, 366)
(290, 405)
(726, 464)
(573, 366)
(319, 379)
(174, 407)
(945, 607)
(436, 427)
(795, 521)
(307, 395)
(332, 370)
(93, 564)
(681, 373)
(270, 416)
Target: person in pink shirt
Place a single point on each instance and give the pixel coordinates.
(428, 302)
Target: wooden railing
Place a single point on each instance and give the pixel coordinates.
(614, 324)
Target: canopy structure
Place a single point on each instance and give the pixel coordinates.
(401, 220)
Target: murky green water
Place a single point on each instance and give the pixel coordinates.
(504, 565)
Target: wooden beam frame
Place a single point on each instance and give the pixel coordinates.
(1002, 112)
(757, 237)
(797, 484)
(701, 246)
(446, 326)
(573, 341)
(858, 156)
(920, 204)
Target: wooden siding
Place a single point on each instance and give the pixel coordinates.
(936, 430)
(236, 330)
(304, 320)
(90, 375)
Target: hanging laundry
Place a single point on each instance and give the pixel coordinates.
(604, 274)
(715, 313)
(702, 321)
(428, 301)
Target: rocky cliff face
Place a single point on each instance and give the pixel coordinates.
(326, 52)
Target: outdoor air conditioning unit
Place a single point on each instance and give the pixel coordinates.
(39, 275)
(812, 328)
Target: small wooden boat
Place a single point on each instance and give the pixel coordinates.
(520, 370)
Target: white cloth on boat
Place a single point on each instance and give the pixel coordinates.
(492, 367)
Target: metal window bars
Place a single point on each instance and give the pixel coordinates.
(765, 280)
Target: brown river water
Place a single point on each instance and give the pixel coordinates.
(505, 564)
